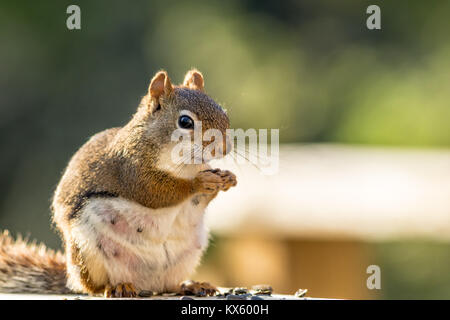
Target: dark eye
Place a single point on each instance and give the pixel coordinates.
(186, 122)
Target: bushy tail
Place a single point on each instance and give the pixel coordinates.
(30, 267)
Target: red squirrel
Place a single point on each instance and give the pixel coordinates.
(130, 218)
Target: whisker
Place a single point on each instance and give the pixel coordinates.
(246, 150)
(250, 162)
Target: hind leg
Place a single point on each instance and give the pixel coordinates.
(85, 274)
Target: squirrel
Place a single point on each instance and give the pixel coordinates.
(130, 219)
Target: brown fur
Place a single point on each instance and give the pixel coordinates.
(30, 267)
(77, 259)
(118, 162)
(194, 80)
(122, 161)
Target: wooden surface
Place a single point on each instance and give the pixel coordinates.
(78, 297)
(83, 297)
(225, 294)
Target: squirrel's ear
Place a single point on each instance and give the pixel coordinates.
(160, 86)
(194, 80)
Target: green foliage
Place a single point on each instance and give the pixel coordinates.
(414, 269)
(310, 68)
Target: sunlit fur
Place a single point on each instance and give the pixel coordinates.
(126, 213)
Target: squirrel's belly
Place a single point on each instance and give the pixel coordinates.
(154, 249)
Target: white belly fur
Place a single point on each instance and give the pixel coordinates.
(154, 249)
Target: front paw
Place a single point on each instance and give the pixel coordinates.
(214, 180)
(228, 179)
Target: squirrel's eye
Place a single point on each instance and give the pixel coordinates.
(186, 122)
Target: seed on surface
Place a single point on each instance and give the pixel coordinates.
(262, 289)
(145, 293)
(301, 293)
(169, 294)
(229, 291)
(241, 290)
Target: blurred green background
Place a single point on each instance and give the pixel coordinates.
(310, 68)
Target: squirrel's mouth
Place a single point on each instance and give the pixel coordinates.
(213, 154)
(192, 153)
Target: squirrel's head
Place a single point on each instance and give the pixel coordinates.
(182, 118)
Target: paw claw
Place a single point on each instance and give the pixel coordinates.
(199, 289)
(123, 290)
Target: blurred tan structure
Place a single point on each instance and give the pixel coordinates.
(308, 225)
